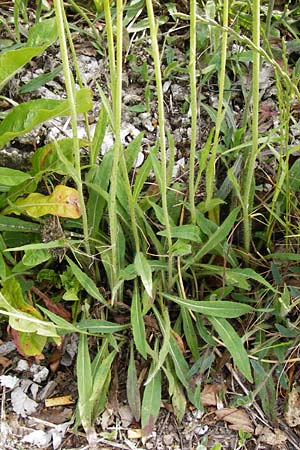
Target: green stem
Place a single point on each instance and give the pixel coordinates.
(117, 111)
(77, 71)
(110, 42)
(250, 162)
(59, 11)
(193, 84)
(220, 113)
(162, 134)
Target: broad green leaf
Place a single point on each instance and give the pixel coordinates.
(40, 36)
(151, 403)
(234, 345)
(220, 308)
(218, 236)
(24, 317)
(181, 248)
(138, 326)
(31, 344)
(100, 326)
(86, 282)
(84, 382)
(14, 298)
(12, 60)
(189, 232)
(43, 33)
(33, 258)
(11, 177)
(46, 158)
(23, 118)
(132, 387)
(63, 202)
(143, 269)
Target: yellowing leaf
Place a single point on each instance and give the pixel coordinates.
(63, 202)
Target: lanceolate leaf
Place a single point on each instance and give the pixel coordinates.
(86, 282)
(100, 326)
(138, 326)
(151, 403)
(218, 236)
(220, 308)
(99, 379)
(11, 177)
(165, 325)
(234, 345)
(143, 269)
(132, 387)
(84, 382)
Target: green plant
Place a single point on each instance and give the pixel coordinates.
(167, 261)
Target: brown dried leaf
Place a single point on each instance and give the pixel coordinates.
(292, 415)
(179, 341)
(237, 418)
(5, 362)
(59, 401)
(276, 438)
(209, 394)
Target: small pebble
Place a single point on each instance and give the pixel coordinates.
(168, 439)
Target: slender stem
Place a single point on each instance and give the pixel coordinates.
(110, 42)
(193, 84)
(117, 110)
(162, 134)
(77, 71)
(59, 11)
(269, 18)
(220, 113)
(250, 163)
